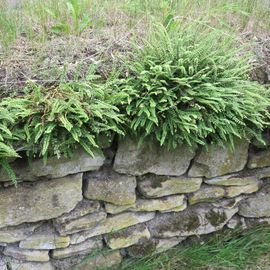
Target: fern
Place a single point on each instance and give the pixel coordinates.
(190, 86)
(56, 121)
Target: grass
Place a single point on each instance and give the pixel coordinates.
(232, 250)
(39, 38)
(37, 19)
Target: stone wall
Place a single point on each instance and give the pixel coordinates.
(84, 212)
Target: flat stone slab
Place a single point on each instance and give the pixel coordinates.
(26, 254)
(127, 237)
(134, 160)
(152, 186)
(112, 224)
(116, 209)
(257, 205)
(83, 248)
(196, 220)
(101, 261)
(232, 180)
(207, 194)
(83, 208)
(17, 233)
(110, 187)
(45, 238)
(217, 160)
(259, 160)
(81, 224)
(42, 200)
(164, 204)
(21, 265)
(54, 168)
(234, 191)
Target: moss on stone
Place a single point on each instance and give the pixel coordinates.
(143, 248)
(216, 218)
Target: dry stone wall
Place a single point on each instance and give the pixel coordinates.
(90, 212)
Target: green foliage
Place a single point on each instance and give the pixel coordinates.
(55, 121)
(190, 86)
(186, 85)
(7, 28)
(6, 148)
(75, 22)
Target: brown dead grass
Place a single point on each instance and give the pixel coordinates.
(46, 62)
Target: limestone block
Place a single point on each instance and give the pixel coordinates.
(232, 180)
(207, 194)
(116, 209)
(83, 248)
(81, 224)
(127, 237)
(101, 261)
(234, 191)
(259, 159)
(164, 204)
(82, 208)
(257, 205)
(14, 264)
(54, 168)
(196, 220)
(110, 187)
(134, 160)
(45, 238)
(26, 254)
(217, 160)
(112, 224)
(152, 186)
(42, 200)
(151, 246)
(17, 233)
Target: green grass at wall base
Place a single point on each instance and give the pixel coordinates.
(234, 250)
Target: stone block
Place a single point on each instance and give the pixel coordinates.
(135, 160)
(26, 254)
(152, 186)
(216, 160)
(83, 248)
(164, 204)
(110, 187)
(83, 223)
(127, 237)
(196, 220)
(54, 168)
(112, 224)
(42, 200)
(46, 238)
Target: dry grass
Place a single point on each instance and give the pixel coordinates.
(30, 50)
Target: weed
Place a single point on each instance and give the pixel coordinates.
(75, 22)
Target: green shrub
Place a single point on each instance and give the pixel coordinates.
(189, 84)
